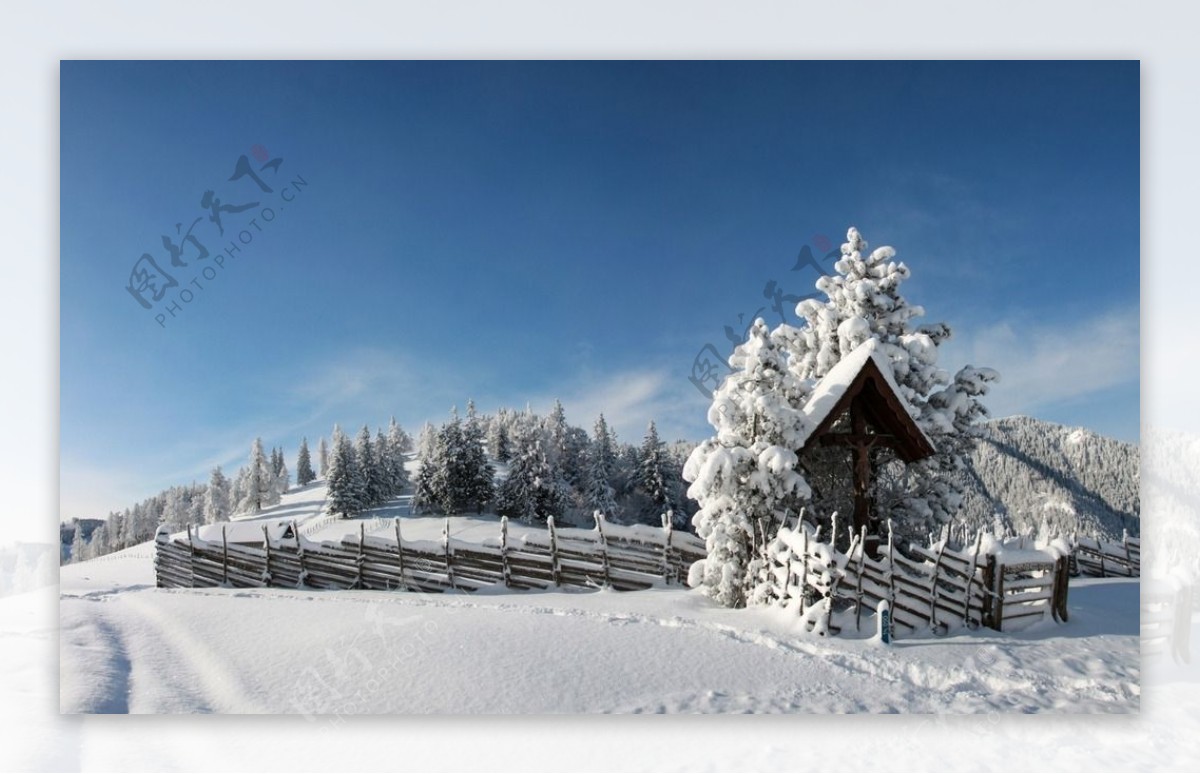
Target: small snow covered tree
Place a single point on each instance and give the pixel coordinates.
(477, 473)
(322, 459)
(282, 481)
(431, 470)
(602, 459)
(368, 473)
(216, 498)
(498, 436)
(78, 544)
(345, 496)
(259, 481)
(532, 490)
(653, 480)
(384, 475)
(304, 471)
(399, 444)
(745, 477)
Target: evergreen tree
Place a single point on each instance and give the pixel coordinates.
(532, 489)
(399, 444)
(745, 478)
(368, 473)
(322, 459)
(556, 426)
(304, 471)
(78, 544)
(653, 478)
(384, 473)
(259, 480)
(451, 485)
(282, 481)
(864, 301)
(431, 472)
(601, 461)
(345, 496)
(477, 473)
(216, 498)
(497, 436)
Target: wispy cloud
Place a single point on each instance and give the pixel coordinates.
(629, 400)
(1042, 364)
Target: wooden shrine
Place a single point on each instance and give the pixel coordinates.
(878, 417)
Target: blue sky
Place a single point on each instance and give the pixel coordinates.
(515, 232)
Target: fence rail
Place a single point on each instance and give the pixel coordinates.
(1098, 558)
(937, 588)
(623, 558)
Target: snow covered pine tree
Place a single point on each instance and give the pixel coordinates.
(745, 478)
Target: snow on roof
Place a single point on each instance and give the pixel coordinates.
(832, 387)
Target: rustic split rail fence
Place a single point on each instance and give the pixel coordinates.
(1102, 559)
(620, 557)
(940, 588)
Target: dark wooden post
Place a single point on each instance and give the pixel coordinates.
(361, 558)
(446, 550)
(400, 557)
(504, 568)
(266, 577)
(989, 593)
(554, 568)
(224, 558)
(603, 548)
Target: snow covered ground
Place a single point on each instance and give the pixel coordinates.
(127, 646)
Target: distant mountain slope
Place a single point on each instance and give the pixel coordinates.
(1033, 473)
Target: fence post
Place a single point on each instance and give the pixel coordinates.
(361, 558)
(504, 568)
(933, 586)
(1063, 582)
(266, 576)
(191, 556)
(971, 580)
(666, 557)
(804, 572)
(999, 601)
(1128, 558)
(858, 592)
(891, 566)
(603, 548)
(988, 584)
(400, 556)
(554, 569)
(224, 558)
(447, 553)
(302, 579)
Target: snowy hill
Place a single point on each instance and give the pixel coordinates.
(1034, 472)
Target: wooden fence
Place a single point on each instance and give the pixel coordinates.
(1094, 557)
(938, 588)
(620, 557)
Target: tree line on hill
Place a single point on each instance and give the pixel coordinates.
(514, 463)
(530, 467)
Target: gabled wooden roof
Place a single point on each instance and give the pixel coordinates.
(861, 381)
